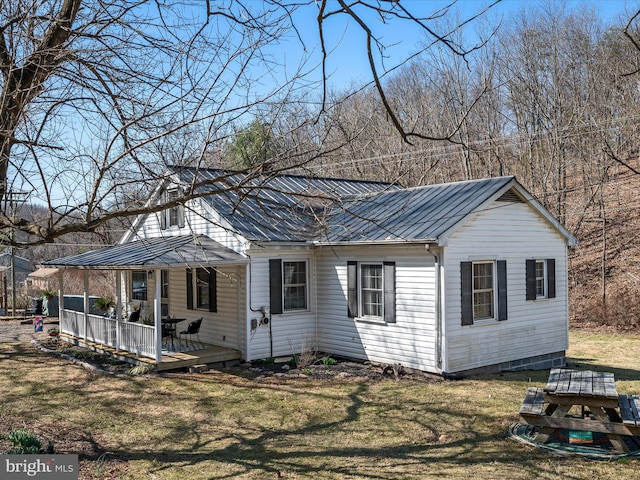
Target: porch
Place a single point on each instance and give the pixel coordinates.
(138, 343)
(176, 276)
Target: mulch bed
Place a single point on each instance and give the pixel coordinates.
(341, 370)
(100, 363)
(318, 368)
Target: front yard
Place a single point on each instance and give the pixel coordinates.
(236, 424)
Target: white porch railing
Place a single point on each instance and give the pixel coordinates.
(132, 337)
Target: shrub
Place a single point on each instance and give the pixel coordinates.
(104, 303)
(25, 443)
(141, 369)
(328, 361)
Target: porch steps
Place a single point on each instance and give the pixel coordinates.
(170, 361)
(210, 354)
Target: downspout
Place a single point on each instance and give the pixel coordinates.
(566, 298)
(438, 304)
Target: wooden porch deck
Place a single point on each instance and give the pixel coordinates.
(205, 354)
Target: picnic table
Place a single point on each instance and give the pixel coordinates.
(582, 401)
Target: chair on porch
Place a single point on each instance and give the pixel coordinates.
(169, 331)
(193, 329)
(135, 316)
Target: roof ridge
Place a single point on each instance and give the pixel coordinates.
(458, 182)
(177, 168)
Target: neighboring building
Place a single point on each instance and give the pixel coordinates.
(450, 279)
(23, 267)
(44, 278)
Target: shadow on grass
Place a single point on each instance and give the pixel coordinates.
(408, 460)
(454, 435)
(541, 376)
(273, 452)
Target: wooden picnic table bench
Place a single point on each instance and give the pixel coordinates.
(630, 410)
(594, 393)
(533, 403)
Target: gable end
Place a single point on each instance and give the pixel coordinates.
(510, 196)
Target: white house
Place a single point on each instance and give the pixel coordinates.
(455, 278)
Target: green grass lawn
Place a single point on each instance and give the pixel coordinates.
(216, 425)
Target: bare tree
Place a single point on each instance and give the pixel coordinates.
(99, 96)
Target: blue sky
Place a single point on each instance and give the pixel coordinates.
(349, 62)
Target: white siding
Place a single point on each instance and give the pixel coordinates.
(287, 333)
(200, 219)
(411, 341)
(515, 233)
(224, 327)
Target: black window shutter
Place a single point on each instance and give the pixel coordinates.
(502, 289)
(352, 289)
(275, 285)
(466, 275)
(213, 294)
(551, 278)
(389, 275)
(181, 216)
(189, 289)
(531, 279)
(163, 219)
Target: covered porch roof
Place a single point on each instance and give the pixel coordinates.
(160, 252)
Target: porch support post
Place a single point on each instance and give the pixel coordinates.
(247, 322)
(60, 300)
(157, 313)
(118, 308)
(85, 279)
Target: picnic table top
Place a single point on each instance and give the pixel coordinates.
(583, 383)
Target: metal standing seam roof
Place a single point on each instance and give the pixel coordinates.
(275, 208)
(290, 208)
(419, 213)
(329, 211)
(161, 252)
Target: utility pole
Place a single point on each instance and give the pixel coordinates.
(13, 198)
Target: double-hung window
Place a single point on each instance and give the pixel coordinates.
(540, 278)
(484, 291)
(172, 217)
(288, 285)
(164, 292)
(139, 284)
(371, 291)
(294, 282)
(202, 289)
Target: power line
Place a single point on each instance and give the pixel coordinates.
(448, 150)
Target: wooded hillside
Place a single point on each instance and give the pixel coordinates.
(552, 97)
(549, 94)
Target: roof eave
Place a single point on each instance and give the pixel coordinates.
(149, 266)
(398, 241)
